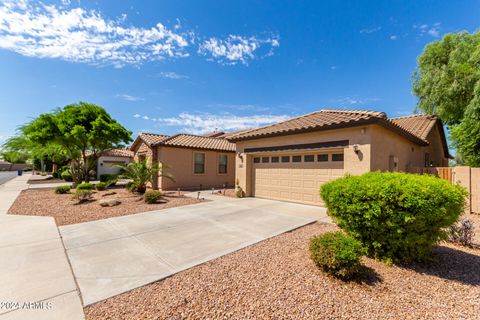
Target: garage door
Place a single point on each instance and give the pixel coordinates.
(295, 177)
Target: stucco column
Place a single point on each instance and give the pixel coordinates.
(155, 160)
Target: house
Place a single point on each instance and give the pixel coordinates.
(107, 161)
(290, 160)
(196, 162)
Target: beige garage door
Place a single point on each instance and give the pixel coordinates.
(295, 177)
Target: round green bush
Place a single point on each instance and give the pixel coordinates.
(152, 196)
(396, 216)
(85, 186)
(101, 186)
(62, 189)
(67, 176)
(337, 254)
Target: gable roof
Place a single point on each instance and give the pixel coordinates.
(325, 120)
(114, 153)
(198, 142)
(149, 139)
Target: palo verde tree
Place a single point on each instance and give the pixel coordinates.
(83, 130)
(447, 83)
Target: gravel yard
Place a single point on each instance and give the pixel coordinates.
(44, 202)
(276, 279)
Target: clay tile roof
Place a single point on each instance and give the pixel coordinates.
(419, 125)
(153, 138)
(214, 134)
(311, 122)
(199, 142)
(118, 153)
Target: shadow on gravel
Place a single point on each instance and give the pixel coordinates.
(451, 264)
(368, 276)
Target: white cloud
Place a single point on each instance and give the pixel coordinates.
(172, 75)
(202, 123)
(128, 97)
(237, 49)
(370, 30)
(35, 29)
(354, 101)
(79, 35)
(393, 37)
(431, 30)
(136, 115)
(333, 68)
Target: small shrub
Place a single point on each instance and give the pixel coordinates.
(43, 174)
(130, 186)
(337, 254)
(82, 195)
(396, 216)
(62, 189)
(112, 181)
(239, 192)
(106, 176)
(67, 176)
(152, 196)
(85, 186)
(462, 233)
(101, 186)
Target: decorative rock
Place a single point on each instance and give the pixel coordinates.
(109, 202)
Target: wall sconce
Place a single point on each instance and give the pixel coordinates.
(240, 155)
(356, 148)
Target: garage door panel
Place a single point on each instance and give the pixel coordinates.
(298, 182)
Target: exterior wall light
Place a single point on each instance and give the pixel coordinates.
(356, 148)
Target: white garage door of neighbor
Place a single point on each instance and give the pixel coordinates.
(295, 177)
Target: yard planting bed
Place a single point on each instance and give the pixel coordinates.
(276, 279)
(44, 202)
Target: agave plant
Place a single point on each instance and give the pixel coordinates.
(141, 173)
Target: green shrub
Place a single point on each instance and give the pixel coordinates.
(152, 196)
(396, 216)
(67, 176)
(101, 186)
(337, 254)
(85, 186)
(130, 186)
(106, 176)
(82, 195)
(112, 181)
(239, 192)
(62, 189)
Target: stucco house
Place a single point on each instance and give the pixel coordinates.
(196, 162)
(107, 161)
(290, 160)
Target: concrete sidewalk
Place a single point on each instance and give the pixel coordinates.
(36, 278)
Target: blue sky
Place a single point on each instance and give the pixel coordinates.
(193, 66)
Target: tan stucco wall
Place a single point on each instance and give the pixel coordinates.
(353, 163)
(386, 143)
(180, 161)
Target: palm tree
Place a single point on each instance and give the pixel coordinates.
(141, 173)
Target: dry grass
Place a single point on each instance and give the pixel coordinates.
(276, 279)
(44, 202)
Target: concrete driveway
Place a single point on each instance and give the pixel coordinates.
(115, 255)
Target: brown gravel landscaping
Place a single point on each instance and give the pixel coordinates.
(44, 202)
(276, 279)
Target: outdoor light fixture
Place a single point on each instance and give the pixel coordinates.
(356, 148)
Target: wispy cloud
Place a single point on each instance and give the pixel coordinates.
(354, 101)
(431, 30)
(172, 75)
(36, 29)
(128, 97)
(202, 123)
(237, 49)
(393, 37)
(79, 35)
(370, 30)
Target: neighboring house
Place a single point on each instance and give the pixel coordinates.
(290, 160)
(106, 163)
(194, 161)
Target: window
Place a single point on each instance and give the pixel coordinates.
(322, 157)
(256, 160)
(337, 157)
(222, 163)
(296, 158)
(265, 159)
(309, 158)
(427, 159)
(286, 159)
(275, 159)
(199, 163)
